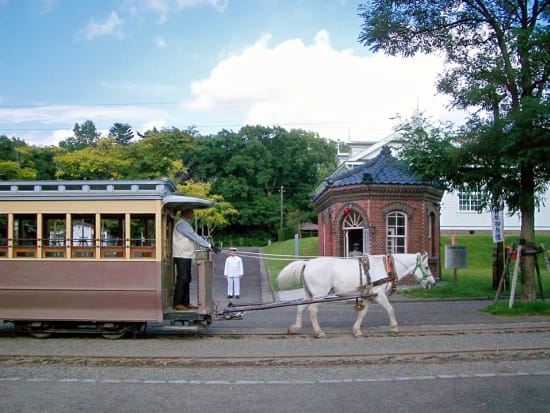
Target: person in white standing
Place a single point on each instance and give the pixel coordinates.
(233, 272)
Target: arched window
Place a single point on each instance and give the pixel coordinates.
(356, 234)
(353, 220)
(396, 230)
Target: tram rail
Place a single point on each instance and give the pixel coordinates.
(355, 359)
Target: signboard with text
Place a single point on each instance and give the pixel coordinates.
(497, 218)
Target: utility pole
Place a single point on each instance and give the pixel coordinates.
(282, 190)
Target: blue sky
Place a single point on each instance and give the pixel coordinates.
(214, 64)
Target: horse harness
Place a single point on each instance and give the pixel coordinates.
(364, 268)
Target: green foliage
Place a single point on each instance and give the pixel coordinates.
(250, 167)
(9, 148)
(122, 133)
(160, 154)
(41, 160)
(210, 218)
(103, 161)
(10, 170)
(21, 161)
(85, 135)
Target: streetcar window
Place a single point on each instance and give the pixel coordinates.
(142, 237)
(83, 230)
(53, 230)
(24, 235)
(112, 230)
(3, 235)
(112, 236)
(83, 235)
(143, 230)
(53, 235)
(24, 230)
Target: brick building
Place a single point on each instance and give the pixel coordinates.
(379, 207)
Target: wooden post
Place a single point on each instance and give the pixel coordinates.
(538, 278)
(515, 278)
(545, 257)
(505, 275)
(498, 264)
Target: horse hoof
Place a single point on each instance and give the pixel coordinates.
(395, 329)
(293, 330)
(357, 334)
(319, 334)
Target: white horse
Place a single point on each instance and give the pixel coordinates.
(349, 276)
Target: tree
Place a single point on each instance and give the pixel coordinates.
(249, 167)
(104, 161)
(85, 135)
(497, 63)
(40, 159)
(211, 218)
(122, 133)
(159, 154)
(9, 148)
(21, 161)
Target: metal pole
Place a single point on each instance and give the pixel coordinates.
(282, 190)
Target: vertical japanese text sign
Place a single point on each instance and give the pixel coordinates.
(497, 218)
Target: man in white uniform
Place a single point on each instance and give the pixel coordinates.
(233, 273)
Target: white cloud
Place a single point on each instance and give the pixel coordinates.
(316, 87)
(112, 26)
(292, 84)
(53, 120)
(164, 8)
(160, 42)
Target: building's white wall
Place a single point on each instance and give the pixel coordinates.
(453, 219)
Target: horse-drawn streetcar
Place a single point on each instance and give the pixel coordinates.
(93, 256)
(96, 257)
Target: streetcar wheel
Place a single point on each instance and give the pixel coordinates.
(114, 335)
(114, 332)
(39, 334)
(35, 329)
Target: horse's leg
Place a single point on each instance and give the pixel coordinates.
(317, 332)
(360, 316)
(294, 328)
(382, 299)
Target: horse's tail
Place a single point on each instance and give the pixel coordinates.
(290, 276)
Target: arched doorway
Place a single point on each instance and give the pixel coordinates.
(356, 233)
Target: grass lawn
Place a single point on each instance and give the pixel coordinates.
(475, 281)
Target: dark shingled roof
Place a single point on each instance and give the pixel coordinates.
(383, 169)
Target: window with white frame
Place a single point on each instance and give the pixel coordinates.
(469, 202)
(396, 230)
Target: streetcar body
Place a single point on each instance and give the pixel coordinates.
(94, 254)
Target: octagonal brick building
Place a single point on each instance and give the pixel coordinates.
(380, 208)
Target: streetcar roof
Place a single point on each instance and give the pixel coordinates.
(160, 189)
(186, 202)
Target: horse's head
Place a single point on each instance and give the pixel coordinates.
(422, 272)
